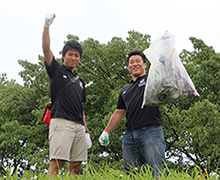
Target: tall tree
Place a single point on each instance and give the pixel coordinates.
(191, 126)
(23, 137)
(104, 66)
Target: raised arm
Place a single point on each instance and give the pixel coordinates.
(48, 55)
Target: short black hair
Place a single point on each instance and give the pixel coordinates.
(72, 45)
(136, 52)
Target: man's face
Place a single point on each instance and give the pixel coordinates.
(71, 59)
(136, 66)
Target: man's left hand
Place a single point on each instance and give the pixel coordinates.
(89, 141)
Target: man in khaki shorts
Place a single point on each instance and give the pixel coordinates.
(68, 132)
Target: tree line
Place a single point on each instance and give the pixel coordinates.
(191, 127)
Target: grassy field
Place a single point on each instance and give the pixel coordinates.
(107, 173)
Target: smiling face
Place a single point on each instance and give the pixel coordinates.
(136, 66)
(71, 59)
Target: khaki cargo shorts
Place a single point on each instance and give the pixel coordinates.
(67, 140)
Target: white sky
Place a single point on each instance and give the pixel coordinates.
(21, 24)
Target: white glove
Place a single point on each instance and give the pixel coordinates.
(49, 19)
(89, 141)
(104, 138)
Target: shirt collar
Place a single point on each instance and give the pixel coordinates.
(67, 69)
(139, 78)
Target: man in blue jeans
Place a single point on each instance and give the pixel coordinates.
(143, 142)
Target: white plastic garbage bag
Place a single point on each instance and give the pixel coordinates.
(168, 80)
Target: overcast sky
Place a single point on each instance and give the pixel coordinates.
(21, 24)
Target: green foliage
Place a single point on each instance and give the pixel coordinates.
(104, 171)
(191, 127)
(104, 69)
(23, 137)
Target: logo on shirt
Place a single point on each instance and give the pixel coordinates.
(81, 84)
(124, 92)
(64, 76)
(142, 82)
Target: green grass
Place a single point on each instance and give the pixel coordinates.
(104, 172)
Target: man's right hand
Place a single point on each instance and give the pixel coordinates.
(104, 138)
(49, 19)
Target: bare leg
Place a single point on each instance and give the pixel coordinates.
(74, 168)
(55, 166)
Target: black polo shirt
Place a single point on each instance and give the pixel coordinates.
(131, 98)
(69, 104)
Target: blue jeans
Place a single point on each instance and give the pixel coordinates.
(144, 146)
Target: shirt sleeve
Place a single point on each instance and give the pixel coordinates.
(51, 70)
(121, 104)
